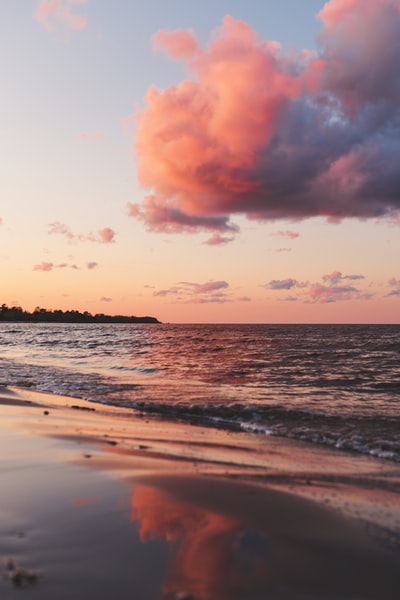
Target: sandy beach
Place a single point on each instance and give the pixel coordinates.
(98, 503)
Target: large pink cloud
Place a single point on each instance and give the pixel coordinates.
(52, 12)
(259, 133)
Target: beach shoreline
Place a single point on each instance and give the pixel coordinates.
(181, 505)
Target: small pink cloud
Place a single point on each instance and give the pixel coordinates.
(172, 291)
(198, 293)
(169, 219)
(213, 299)
(335, 277)
(394, 282)
(66, 266)
(106, 235)
(103, 236)
(217, 240)
(44, 266)
(324, 294)
(92, 265)
(59, 12)
(49, 266)
(61, 229)
(105, 299)
(282, 284)
(287, 234)
(177, 44)
(210, 286)
(334, 289)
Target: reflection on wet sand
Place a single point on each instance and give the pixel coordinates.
(202, 543)
(244, 546)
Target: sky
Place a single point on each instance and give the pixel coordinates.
(223, 161)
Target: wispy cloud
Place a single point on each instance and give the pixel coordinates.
(317, 135)
(185, 287)
(285, 284)
(395, 284)
(181, 43)
(336, 277)
(43, 266)
(206, 288)
(170, 219)
(333, 287)
(51, 13)
(281, 284)
(106, 299)
(200, 293)
(49, 266)
(323, 294)
(292, 235)
(218, 240)
(102, 236)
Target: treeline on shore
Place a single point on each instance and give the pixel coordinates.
(42, 315)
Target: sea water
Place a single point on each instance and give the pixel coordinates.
(337, 385)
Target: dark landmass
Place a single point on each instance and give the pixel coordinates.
(42, 315)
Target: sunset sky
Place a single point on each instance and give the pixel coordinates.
(222, 161)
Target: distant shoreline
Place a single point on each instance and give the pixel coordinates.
(16, 314)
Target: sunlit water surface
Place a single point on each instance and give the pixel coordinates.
(325, 384)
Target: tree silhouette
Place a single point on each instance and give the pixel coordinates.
(42, 315)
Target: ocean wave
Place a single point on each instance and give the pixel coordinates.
(337, 386)
(376, 436)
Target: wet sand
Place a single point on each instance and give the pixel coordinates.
(97, 503)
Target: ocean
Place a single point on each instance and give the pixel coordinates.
(332, 385)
